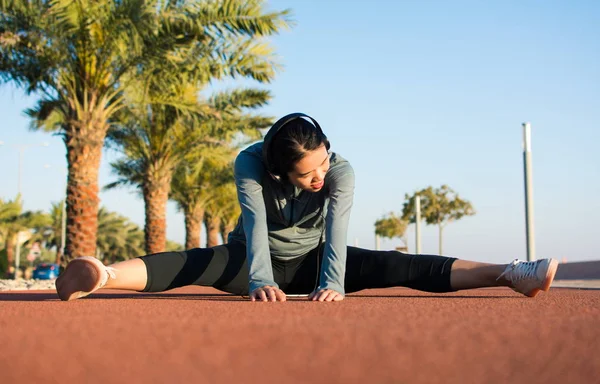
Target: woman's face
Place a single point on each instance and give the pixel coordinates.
(309, 173)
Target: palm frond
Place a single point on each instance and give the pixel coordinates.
(237, 99)
(240, 18)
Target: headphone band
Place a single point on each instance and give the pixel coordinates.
(293, 116)
(276, 128)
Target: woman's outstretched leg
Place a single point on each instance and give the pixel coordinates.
(526, 277)
(470, 274)
(431, 273)
(222, 267)
(87, 274)
(129, 275)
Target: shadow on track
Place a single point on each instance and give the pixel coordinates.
(431, 297)
(51, 296)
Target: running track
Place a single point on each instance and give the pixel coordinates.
(394, 335)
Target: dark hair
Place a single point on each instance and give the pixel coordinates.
(292, 142)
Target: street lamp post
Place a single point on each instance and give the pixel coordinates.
(528, 192)
(418, 224)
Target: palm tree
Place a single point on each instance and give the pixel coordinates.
(14, 221)
(9, 212)
(201, 180)
(75, 55)
(231, 210)
(153, 136)
(212, 223)
(158, 137)
(195, 184)
(118, 239)
(190, 189)
(220, 211)
(52, 234)
(80, 56)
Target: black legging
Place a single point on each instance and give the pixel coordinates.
(225, 267)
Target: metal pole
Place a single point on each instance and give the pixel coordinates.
(528, 192)
(418, 224)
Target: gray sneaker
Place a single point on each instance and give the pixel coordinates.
(530, 277)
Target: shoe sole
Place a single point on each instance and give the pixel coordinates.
(81, 278)
(550, 273)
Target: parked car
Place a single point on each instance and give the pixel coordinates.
(46, 271)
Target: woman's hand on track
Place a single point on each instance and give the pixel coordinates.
(267, 293)
(326, 295)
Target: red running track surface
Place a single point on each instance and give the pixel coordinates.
(395, 335)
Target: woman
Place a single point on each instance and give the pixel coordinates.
(296, 199)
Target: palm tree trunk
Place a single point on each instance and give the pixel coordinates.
(193, 226)
(58, 258)
(156, 195)
(10, 252)
(225, 230)
(84, 151)
(212, 230)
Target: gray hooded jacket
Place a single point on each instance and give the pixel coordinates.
(282, 221)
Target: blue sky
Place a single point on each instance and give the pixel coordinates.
(417, 94)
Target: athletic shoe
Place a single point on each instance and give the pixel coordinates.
(529, 277)
(83, 276)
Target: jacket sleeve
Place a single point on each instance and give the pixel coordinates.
(248, 171)
(341, 197)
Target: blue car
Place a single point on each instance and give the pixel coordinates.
(46, 271)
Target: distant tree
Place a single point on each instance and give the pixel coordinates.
(391, 226)
(13, 220)
(222, 213)
(223, 209)
(195, 185)
(231, 210)
(118, 239)
(173, 246)
(53, 234)
(190, 189)
(9, 211)
(439, 206)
